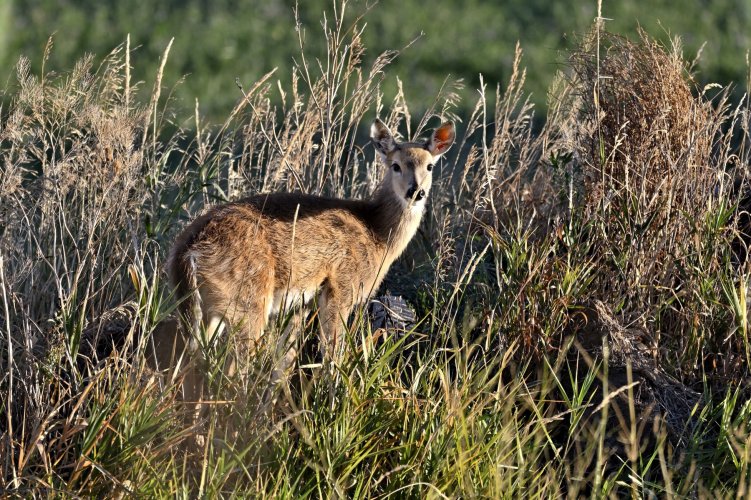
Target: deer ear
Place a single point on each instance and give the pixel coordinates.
(383, 140)
(442, 139)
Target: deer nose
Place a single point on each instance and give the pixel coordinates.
(413, 192)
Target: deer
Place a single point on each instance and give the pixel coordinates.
(243, 262)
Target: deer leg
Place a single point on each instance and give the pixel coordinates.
(249, 320)
(284, 359)
(195, 387)
(335, 305)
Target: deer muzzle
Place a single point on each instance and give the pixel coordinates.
(416, 194)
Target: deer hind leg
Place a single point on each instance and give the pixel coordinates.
(248, 322)
(335, 304)
(284, 359)
(210, 313)
(170, 353)
(176, 347)
(195, 383)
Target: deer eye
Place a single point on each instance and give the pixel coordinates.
(396, 167)
(430, 167)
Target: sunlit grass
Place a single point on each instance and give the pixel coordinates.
(581, 290)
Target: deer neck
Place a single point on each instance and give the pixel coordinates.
(395, 221)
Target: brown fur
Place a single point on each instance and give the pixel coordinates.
(243, 261)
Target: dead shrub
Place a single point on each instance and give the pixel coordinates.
(644, 140)
(644, 145)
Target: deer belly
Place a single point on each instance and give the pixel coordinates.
(288, 299)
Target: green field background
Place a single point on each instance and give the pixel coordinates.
(219, 41)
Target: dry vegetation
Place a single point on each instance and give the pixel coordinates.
(581, 290)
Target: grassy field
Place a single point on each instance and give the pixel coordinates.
(580, 289)
(218, 41)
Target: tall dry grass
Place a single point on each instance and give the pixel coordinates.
(580, 293)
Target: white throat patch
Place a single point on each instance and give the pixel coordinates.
(415, 207)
